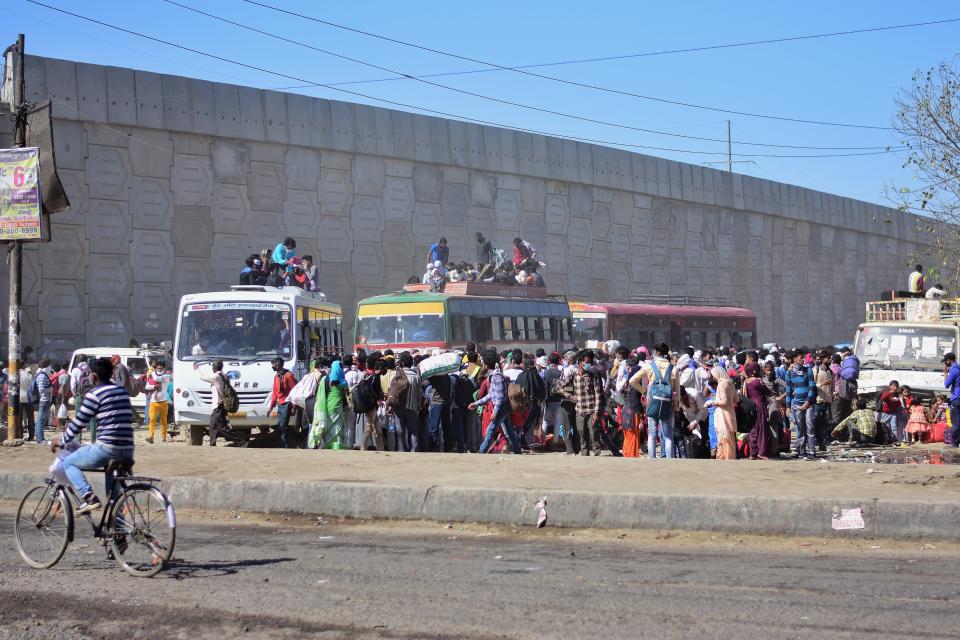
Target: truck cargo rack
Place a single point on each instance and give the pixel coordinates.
(913, 310)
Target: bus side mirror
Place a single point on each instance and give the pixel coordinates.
(301, 351)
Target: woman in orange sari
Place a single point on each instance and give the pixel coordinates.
(725, 416)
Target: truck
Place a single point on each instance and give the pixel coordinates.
(246, 328)
(905, 339)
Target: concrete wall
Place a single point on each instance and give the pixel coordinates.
(174, 180)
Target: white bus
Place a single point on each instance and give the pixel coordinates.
(247, 327)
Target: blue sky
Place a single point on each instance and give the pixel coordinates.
(851, 79)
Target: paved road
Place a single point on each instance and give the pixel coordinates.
(238, 578)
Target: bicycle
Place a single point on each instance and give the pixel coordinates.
(138, 523)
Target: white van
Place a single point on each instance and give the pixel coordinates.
(136, 360)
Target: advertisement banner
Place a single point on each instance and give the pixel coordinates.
(20, 194)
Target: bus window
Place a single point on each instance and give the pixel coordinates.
(458, 328)
(548, 325)
(535, 328)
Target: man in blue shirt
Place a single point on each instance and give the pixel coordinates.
(952, 381)
(801, 392)
(439, 251)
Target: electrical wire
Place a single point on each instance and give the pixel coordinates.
(523, 69)
(510, 102)
(435, 111)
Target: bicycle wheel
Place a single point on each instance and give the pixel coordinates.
(42, 526)
(143, 530)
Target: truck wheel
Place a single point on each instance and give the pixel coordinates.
(196, 434)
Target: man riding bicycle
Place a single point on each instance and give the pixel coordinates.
(110, 405)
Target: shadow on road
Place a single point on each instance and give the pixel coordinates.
(184, 569)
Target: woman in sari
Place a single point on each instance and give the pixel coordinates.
(327, 429)
(758, 393)
(725, 414)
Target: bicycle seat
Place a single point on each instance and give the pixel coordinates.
(119, 467)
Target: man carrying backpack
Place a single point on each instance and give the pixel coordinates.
(220, 387)
(658, 380)
(366, 396)
(439, 391)
(406, 406)
(283, 384)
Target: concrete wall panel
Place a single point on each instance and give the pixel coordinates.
(230, 161)
(121, 96)
(92, 92)
(70, 145)
(151, 317)
(366, 219)
(108, 227)
(227, 257)
(149, 99)
(151, 256)
(108, 281)
(150, 153)
(302, 168)
(61, 81)
(107, 327)
(74, 184)
(63, 304)
(251, 113)
(191, 275)
(108, 173)
(191, 180)
(398, 199)
(226, 110)
(301, 212)
(335, 239)
(151, 203)
(192, 231)
(177, 110)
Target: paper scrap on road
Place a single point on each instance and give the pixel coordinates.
(848, 519)
(542, 516)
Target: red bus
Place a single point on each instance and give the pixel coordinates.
(677, 325)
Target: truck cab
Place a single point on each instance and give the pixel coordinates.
(905, 339)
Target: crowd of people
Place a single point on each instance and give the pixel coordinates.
(491, 266)
(719, 404)
(281, 268)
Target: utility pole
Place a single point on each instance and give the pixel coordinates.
(729, 150)
(15, 256)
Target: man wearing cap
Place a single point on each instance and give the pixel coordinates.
(952, 382)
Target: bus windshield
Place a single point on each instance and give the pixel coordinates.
(235, 330)
(911, 347)
(400, 329)
(588, 329)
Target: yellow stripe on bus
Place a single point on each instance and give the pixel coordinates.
(400, 309)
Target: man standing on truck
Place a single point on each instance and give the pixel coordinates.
(952, 381)
(915, 282)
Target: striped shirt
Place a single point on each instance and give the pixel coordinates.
(497, 391)
(110, 405)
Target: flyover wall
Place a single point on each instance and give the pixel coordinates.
(175, 180)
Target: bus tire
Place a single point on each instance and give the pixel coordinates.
(197, 432)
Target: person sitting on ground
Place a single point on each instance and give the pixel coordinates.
(109, 405)
(862, 424)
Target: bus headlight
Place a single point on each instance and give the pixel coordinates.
(185, 394)
(190, 404)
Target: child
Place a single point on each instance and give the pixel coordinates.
(917, 424)
(157, 388)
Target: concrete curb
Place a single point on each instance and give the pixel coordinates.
(773, 516)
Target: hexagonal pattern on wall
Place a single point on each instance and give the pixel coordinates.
(555, 253)
(579, 237)
(108, 281)
(454, 201)
(107, 327)
(619, 239)
(108, 226)
(301, 211)
(150, 203)
(578, 276)
(63, 307)
(557, 213)
(152, 303)
(398, 247)
(265, 229)
(642, 226)
(367, 267)
(335, 191)
(302, 168)
(192, 231)
(108, 172)
(426, 222)
(265, 186)
(151, 256)
(398, 199)
(227, 257)
(64, 257)
(507, 210)
(600, 220)
(366, 219)
(532, 229)
(232, 208)
(191, 180)
(75, 186)
(191, 275)
(335, 239)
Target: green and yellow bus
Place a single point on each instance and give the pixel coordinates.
(425, 320)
